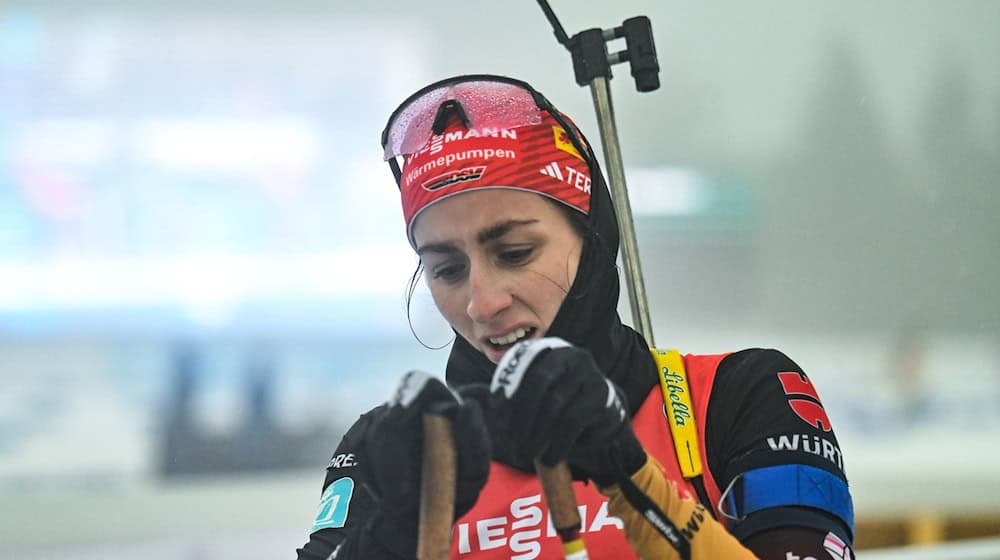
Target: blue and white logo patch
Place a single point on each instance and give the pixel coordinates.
(333, 505)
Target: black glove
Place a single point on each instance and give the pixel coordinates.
(548, 399)
(394, 442)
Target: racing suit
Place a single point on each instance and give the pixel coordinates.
(771, 466)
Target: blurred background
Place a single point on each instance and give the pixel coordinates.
(203, 269)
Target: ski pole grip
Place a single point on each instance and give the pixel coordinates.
(437, 489)
(557, 485)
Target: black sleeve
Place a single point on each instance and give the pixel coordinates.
(766, 432)
(782, 543)
(348, 506)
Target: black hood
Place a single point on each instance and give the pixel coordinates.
(588, 317)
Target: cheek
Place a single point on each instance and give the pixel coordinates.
(574, 261)
(562, 269)
(449, 302)
(571, 268)
(544, 290)
(561, 272)
(556, 296)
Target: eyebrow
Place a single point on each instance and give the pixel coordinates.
(497, 231)
(491, 233)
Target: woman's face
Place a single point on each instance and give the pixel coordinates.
(499, 263)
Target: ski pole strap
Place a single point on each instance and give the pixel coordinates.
(655, 516)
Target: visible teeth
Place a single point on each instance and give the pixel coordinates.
(509, 338)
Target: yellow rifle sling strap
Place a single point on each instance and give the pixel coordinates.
(679, 410)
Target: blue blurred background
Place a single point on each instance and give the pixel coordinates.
(203, 270)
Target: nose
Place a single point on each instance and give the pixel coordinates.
(488, 294)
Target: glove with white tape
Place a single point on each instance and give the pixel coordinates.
(549, 400)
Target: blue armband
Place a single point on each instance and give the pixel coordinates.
(788, 486)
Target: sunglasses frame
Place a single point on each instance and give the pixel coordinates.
(540, 101)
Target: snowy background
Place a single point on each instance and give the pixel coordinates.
(203, 272)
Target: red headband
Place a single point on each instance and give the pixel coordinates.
(539, 158)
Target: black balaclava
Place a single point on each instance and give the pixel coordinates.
(588, 317)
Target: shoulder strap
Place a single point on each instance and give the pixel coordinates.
(680, 410)
(681, 418)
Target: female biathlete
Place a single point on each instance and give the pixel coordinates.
(674, 456)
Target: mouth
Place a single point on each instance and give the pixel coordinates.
(497, 346)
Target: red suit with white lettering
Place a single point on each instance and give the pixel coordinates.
(751, 408)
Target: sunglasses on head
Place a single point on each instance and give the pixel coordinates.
(479, 101)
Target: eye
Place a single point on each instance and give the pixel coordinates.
(450, 272)
(517, 255)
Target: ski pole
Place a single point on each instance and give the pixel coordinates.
(557, 485)
(592, 66)
(601, 92)
(437, 489)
